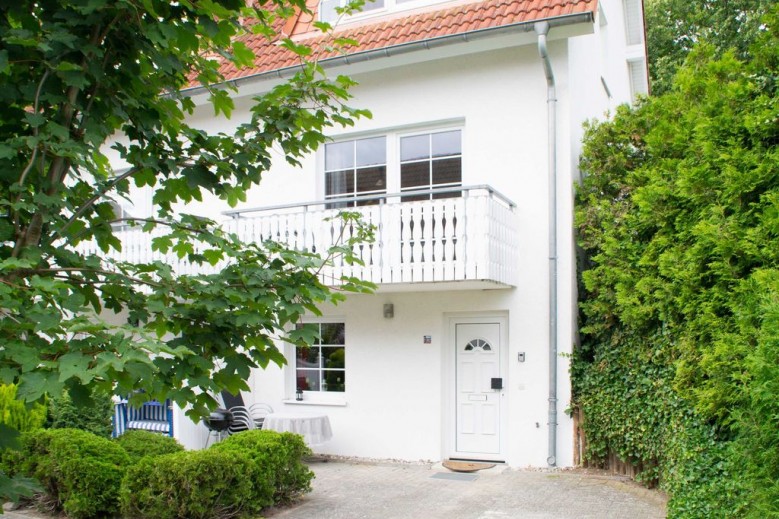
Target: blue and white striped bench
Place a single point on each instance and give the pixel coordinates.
(151, 416)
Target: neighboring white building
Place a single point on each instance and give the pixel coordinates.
(463, 95)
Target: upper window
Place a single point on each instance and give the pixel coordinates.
(430, 160)
(394, 163)
(322, 366)
(354, 168)
(328, 13)
(328, 8)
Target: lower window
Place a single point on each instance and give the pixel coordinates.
(322, 366)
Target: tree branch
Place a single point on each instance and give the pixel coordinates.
(81, 210)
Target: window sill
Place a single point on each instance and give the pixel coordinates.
(334, 403)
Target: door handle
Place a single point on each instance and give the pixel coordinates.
(496, 383)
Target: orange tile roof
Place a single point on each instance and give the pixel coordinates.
(386, 32)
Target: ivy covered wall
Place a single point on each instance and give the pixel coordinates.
(678, 220)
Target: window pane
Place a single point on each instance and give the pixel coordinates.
(311, 329)
(327, 10)
(334, 358)
(372, 151)
(371, 179)
(446, 143)
(375, 4)
(307, 357)
(415, 174)
(447, 171)
(307, 379)
(339, 205)
(415, 148)
(339, 183)
(333, 333)
(334, 381)
(456, 194)
(339, 155)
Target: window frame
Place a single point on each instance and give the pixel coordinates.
(354, 170)
(390, 6)
(393, 138)
(429, 160)
(316, 397)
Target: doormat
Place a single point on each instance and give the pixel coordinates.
(454, 476)
(466, 466)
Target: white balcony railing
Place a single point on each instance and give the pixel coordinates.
(469, 237)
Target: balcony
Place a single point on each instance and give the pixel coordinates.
(467, 240)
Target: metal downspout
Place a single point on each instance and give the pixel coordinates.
(542, 29)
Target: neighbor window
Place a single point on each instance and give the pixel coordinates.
(431, 160)
(355, 168)
(322, 366)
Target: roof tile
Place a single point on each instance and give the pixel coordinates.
(383, 33)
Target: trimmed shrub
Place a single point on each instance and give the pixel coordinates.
(80, 471)
(280, 475)
(93, 416)
(139, 444)
(207, 484)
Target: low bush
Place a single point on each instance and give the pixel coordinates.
(139, 444)
(93, 415)
(213, 484)
(81, 472)
(280, 474)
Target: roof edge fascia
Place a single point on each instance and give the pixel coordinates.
(403, 48)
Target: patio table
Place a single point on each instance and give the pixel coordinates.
(314, 427)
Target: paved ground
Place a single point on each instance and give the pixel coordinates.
(401, 491)
(347, 490)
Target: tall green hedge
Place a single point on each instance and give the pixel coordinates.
(678, 218)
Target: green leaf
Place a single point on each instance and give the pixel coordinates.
(35, 120)
(243, 56)
(45, 319)
(75, 364)
(17, 487)
(222, 102)
(4, 66)
(9, 437)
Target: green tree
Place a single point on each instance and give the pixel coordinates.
(678, 216)
(674, 27)
(74, 74)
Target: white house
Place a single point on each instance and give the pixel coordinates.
(477, 109)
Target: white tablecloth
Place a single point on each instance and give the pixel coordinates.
(314, 427)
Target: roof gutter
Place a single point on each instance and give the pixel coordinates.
(404, 48)
(542, 29)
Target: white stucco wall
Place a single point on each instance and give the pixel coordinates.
(398, 402)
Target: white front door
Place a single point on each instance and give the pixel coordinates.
(478, 404)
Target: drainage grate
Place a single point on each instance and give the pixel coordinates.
(455, 476)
